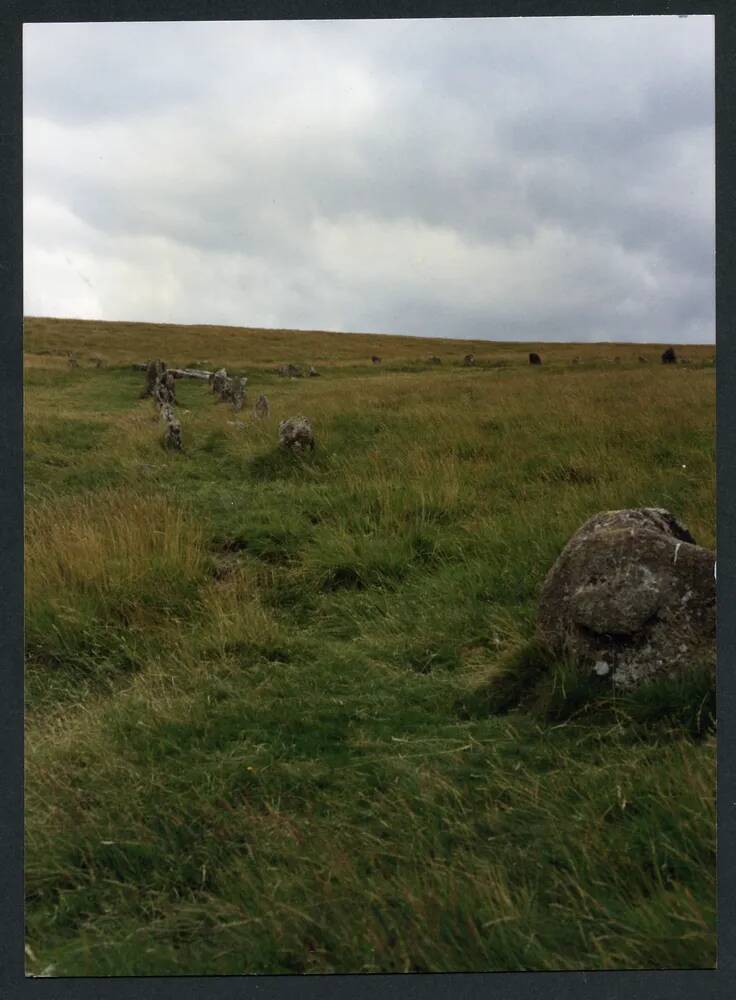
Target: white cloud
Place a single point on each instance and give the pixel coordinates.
(520, 178)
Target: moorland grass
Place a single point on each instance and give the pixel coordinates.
(285, 714)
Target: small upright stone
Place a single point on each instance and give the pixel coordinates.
(669, 357)
(296, 434)
(164, 392)
(469, 360)
(154, 370)
(261, 408)
(219, 380)
(226, 390)
(237, 392)
(534, 359)
(313, 373)
(375, 359)
(172, 435)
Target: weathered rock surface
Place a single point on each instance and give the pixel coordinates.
(261, 408)
(231, 389)
(172, 435)
(236, 395)
(198, 373)
(219, 380)
(631, 595)
(296, 434)
(163, 390)
(154, 371)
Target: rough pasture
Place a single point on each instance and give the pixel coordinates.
(285, 712)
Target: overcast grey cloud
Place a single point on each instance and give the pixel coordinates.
(547, 178)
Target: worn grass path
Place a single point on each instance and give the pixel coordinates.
(255, 740)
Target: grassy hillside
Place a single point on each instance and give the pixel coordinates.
(262, 728)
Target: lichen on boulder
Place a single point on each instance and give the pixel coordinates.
(632, 596)
(172, 435)
(296, 434)
(218, 381)
(237, 392)
(154, 371)
(231, 389)
(164, 390)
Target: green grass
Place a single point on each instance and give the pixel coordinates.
(285, 714)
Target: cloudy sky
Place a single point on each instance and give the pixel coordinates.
(535, 178)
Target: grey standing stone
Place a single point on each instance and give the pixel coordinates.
(631, 595)
(164, 390)
(261, 409)
(296, 434)
(219, 380)
(237, 392)
(154, 370)
(469, 360)
(172, 435)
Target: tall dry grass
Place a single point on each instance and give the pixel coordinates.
(107, 542)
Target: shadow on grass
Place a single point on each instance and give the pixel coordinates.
(282, 464)
(529, 679)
